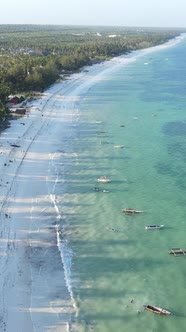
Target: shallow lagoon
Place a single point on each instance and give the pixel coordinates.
(140, 104)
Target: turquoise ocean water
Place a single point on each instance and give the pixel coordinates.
(113, 273)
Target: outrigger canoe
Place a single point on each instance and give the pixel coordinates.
(154, 226)
(103, 179)
(119, 146)
(177, 251)
(157, 310)
(131, 211)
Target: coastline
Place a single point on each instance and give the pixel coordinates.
(30, 259)
(33, 275)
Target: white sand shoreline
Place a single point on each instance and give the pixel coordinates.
(34, 295)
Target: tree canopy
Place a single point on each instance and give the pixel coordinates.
(32, 57)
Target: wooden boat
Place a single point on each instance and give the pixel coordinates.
(103, 179)
(157, 310)
(119, 146)
(154, 226)
(131, 211)
(177, 251)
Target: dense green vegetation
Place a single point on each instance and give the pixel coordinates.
(32, 57)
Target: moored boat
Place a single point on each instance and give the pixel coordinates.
(131, 211)
(154, 226)
(103, 179)
(177, 251)
(119, 146)
(157, 310)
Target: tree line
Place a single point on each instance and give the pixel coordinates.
(32, 57)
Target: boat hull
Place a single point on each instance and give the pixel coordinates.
(131, 211)
(157, 310)
(154, 227)
(103, 179)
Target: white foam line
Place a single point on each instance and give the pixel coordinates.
(66, 255)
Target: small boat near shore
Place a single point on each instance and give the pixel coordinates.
(154, 227)
(119, 146)
(177, 251)
(157, 310)
(131, 211)
(103, 179)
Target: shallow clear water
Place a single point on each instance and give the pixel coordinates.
(141, 105)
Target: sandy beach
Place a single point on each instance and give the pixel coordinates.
(34, 295)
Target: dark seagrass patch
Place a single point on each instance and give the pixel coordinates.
(176, 128)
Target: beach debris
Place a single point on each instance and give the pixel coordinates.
(96, 189)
